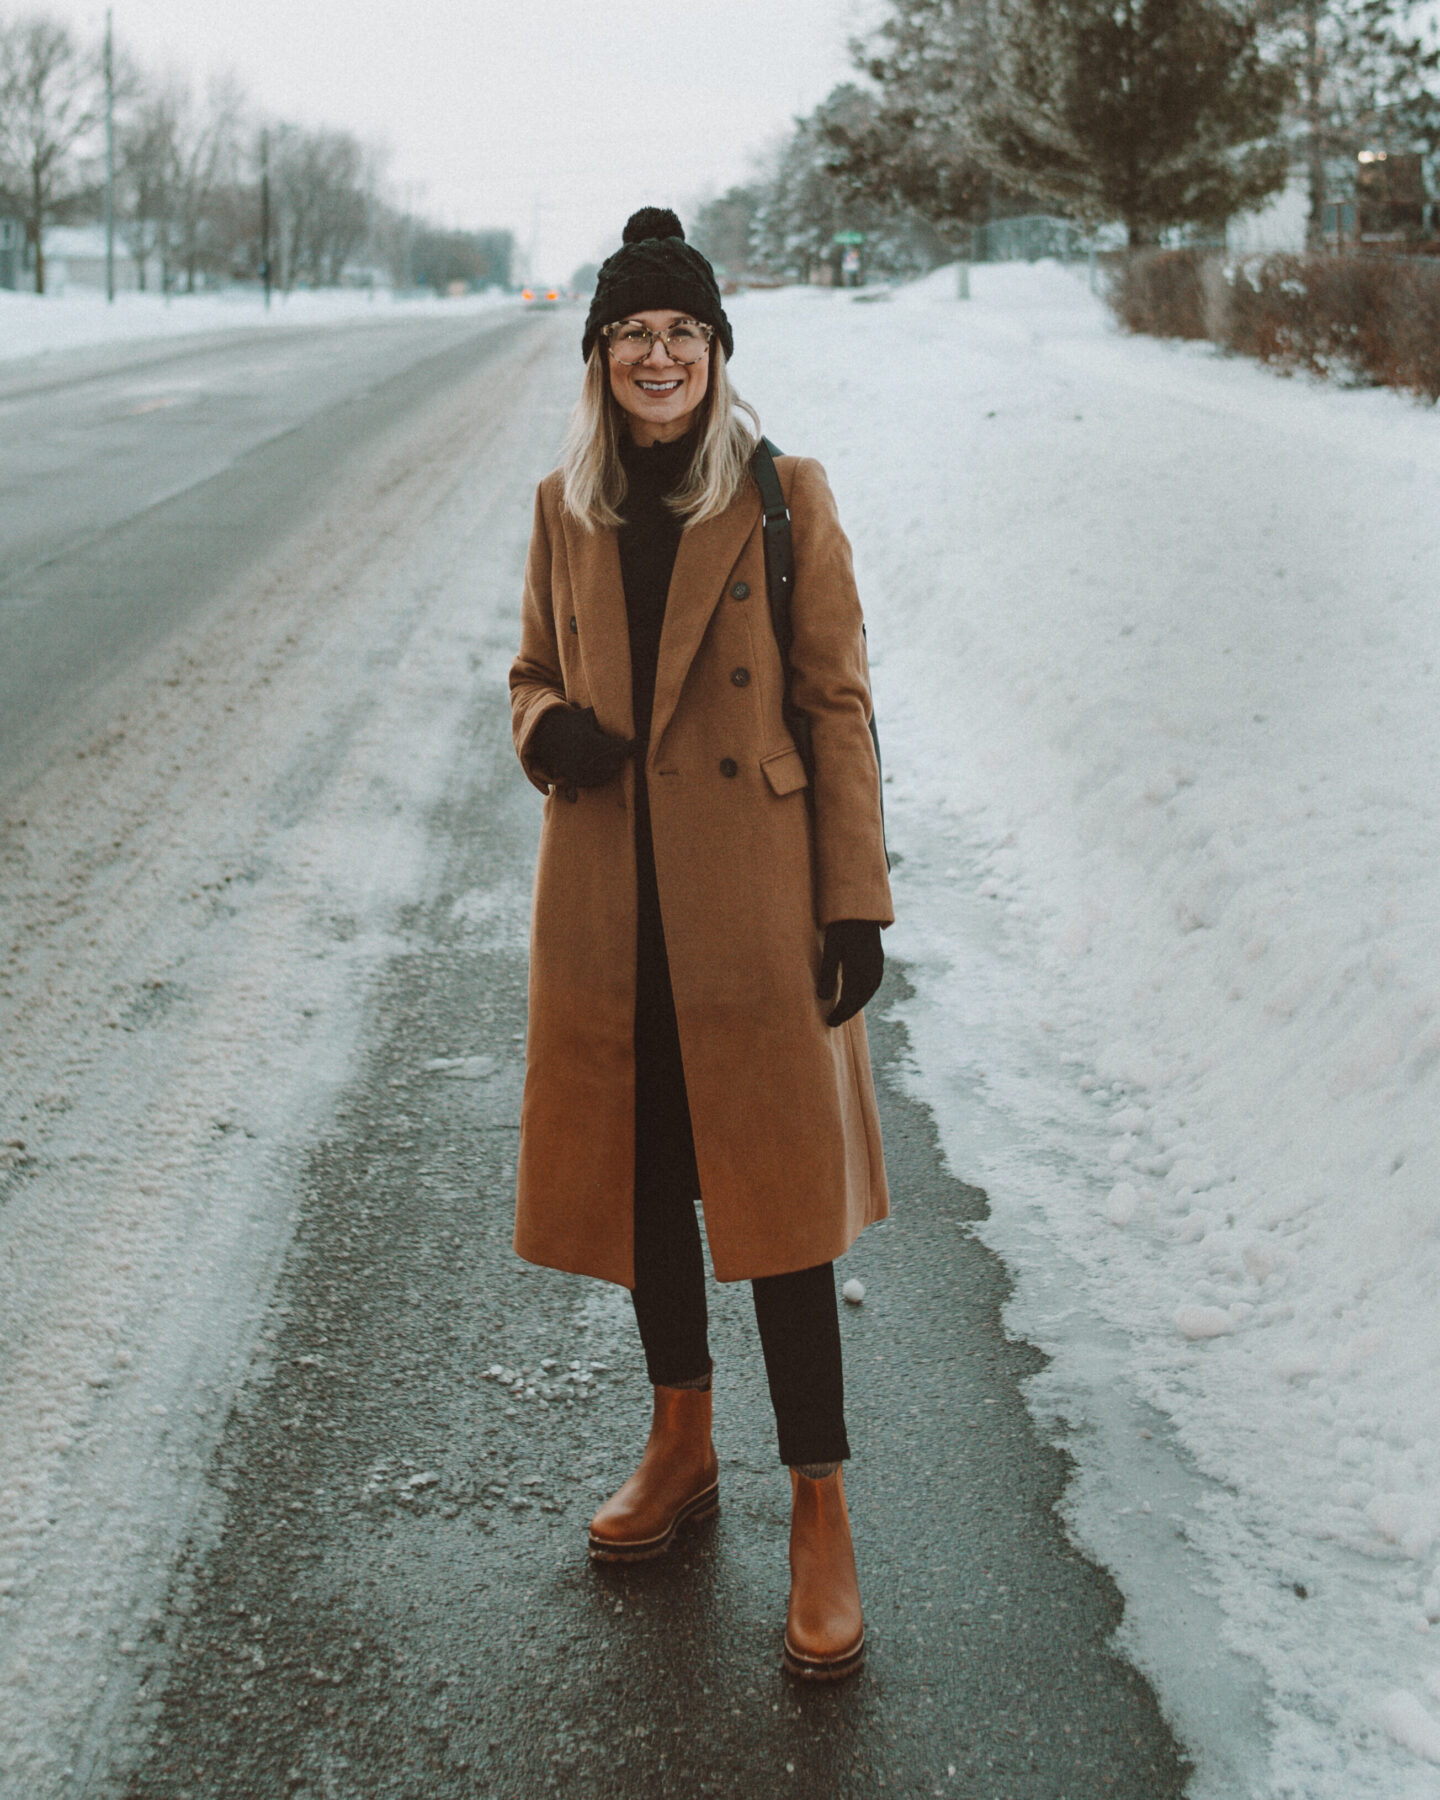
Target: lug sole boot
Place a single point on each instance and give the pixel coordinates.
(824, 1627)
(677, 1483)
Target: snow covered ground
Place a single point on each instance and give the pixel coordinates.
(1155, 646)
(31, 324)
(1155, 650)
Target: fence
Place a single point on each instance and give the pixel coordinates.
(1029, 238)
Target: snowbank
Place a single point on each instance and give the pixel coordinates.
(31, 323)
(1156, 654)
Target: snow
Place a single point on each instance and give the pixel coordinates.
(32, 324)
(1155, 654)
(1410, 1725)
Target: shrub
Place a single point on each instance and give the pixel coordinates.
(1414, 359)
(1327, 314)
(1162, 293)
(1367, 320)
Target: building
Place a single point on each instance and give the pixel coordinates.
(75, 258)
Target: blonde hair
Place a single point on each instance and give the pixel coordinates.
(594, 476)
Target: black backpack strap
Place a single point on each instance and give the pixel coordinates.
(779, 545)
(780, 586)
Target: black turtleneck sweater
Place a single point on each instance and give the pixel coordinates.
(649, 541)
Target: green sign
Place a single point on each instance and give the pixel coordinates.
(849, 237)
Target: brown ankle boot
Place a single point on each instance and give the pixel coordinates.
(824, 1628)
(678, 1479)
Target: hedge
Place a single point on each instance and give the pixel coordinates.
(1365, 320)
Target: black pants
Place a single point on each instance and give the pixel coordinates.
(797, 1315)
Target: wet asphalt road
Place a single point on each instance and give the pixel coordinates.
(389, 1596)
(137, 481)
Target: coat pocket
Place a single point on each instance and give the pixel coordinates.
(785, 772)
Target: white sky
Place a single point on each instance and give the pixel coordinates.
(553, 117)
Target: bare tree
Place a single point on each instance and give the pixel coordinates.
(146, 173)
(207, 157)
(319, 182)
(51, 103)
(188, 188)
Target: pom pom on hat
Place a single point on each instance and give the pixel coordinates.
(652, 222)
(655, 268)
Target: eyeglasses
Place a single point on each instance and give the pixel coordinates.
(685, 341)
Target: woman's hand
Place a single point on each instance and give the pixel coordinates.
(569, 745)
(853, 957)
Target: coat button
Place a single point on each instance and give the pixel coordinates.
(740, 591)
(729, 767)
(740, 677)
(573, 626)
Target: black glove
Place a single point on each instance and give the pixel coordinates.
(569, 746)
(853, 954)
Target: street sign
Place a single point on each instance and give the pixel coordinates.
(849, 237)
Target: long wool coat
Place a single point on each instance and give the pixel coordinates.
(782, 1106)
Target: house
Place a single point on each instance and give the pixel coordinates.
(75, 258)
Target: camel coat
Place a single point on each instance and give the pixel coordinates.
(782, 1106)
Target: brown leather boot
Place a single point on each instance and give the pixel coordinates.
(824, 1628)
(678, 1479)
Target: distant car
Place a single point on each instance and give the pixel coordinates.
(540, 298)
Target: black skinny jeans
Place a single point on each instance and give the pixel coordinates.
(797, 1314)
(798, 1319)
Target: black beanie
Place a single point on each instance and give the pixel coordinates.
(655, 269)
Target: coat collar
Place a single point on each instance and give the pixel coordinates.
(707, 554)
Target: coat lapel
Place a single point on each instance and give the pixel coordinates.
(598, 596)
(707, 554)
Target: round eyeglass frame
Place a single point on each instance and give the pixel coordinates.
(707, 333)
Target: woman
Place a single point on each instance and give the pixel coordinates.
(693, 909)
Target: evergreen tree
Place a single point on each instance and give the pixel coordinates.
(721, 229)
(811, 196)
(929, 60)
(1152, 112)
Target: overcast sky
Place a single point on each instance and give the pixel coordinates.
(553, 117)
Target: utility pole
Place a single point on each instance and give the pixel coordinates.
(265, 212)
(109, 160)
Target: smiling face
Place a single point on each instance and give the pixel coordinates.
(659, 396)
